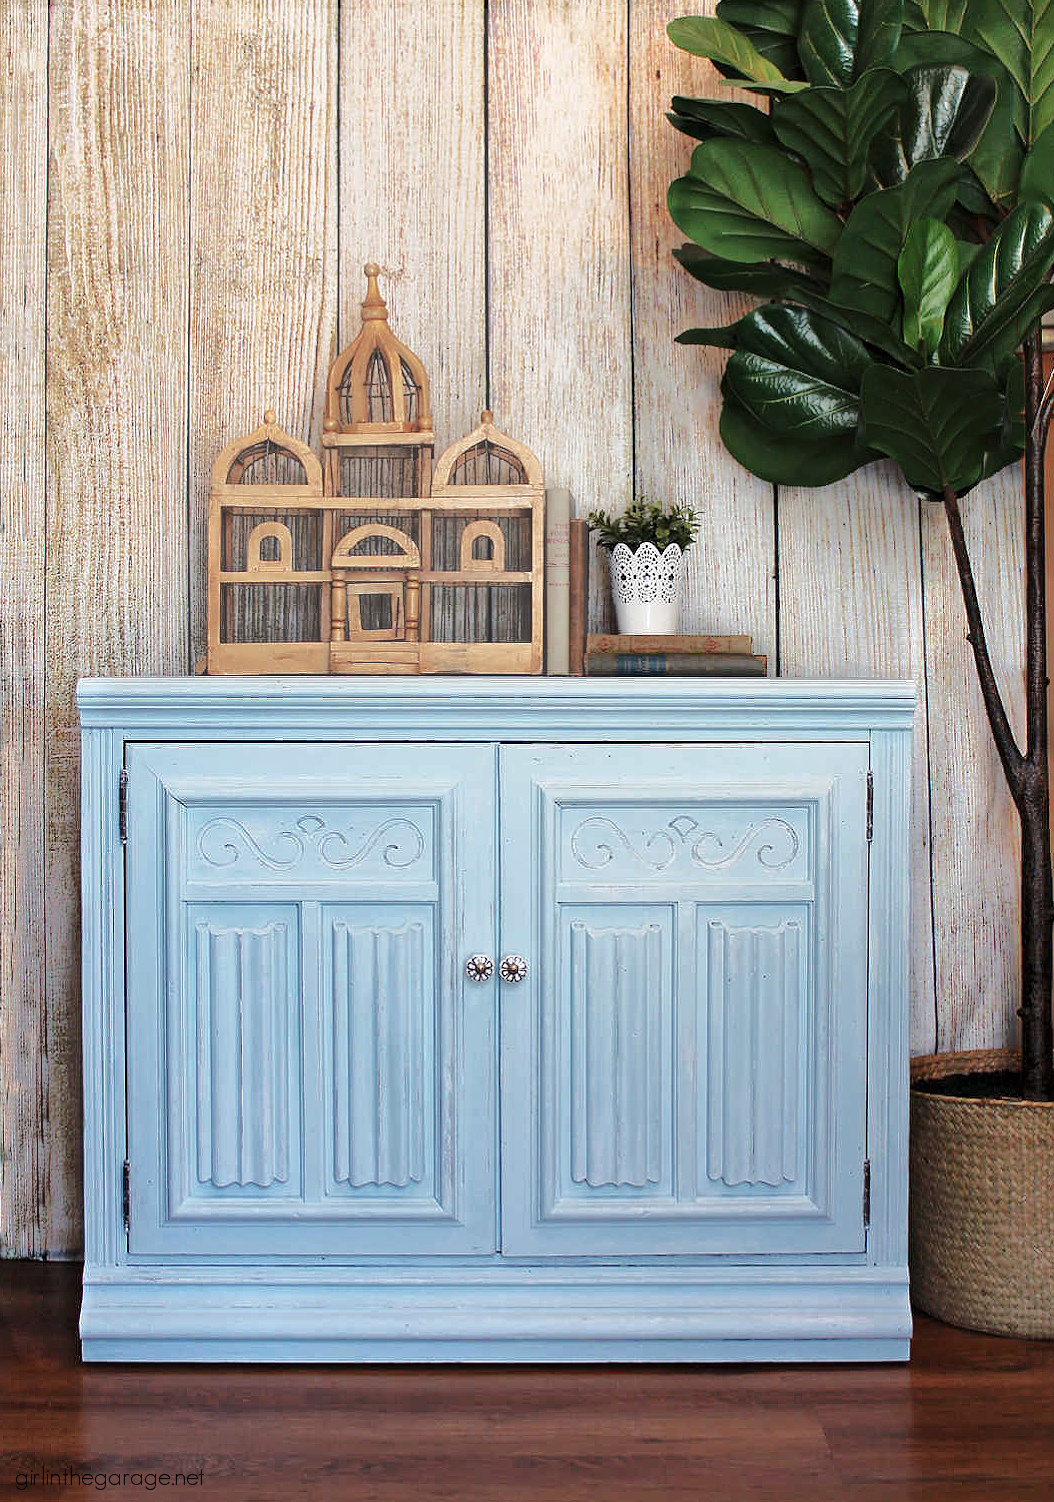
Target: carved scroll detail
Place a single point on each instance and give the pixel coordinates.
(596, 842)
(774, 854)
(224, 841)
(594, 853)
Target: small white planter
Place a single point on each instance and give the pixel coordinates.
(647, 587)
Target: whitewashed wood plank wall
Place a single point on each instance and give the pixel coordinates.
(188, 191)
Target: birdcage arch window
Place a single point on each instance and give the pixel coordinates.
(482, 548)
(411, 393)
(267, 459)
(486, 458)
(267, 463)
(279, 555)
(488, 464)
(354, 548)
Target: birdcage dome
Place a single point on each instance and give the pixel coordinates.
(377, 383)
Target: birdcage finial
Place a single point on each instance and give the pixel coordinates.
(374, 305)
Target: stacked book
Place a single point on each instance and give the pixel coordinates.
(689, 656)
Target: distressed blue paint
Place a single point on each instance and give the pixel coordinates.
(708, 1041)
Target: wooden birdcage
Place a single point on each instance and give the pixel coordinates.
(366, 563)
(482, 597)
(268, 591)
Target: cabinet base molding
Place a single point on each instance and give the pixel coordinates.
(832, 1314)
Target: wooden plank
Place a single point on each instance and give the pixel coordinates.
(976, 862)
(679, 454)
(560, 341)
(263, 233)
(412, 190)
(23, 226)
(116, 569)
(851, 606)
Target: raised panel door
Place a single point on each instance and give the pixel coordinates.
(310, 1073)
(684, 1069)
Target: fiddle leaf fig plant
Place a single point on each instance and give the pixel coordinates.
(889, 200)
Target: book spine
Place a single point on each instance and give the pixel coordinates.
(674, 664)
(611, 642)
(557, 518)
(578, 595)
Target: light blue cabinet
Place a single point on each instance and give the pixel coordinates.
(323, 1120)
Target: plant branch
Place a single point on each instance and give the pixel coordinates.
(1040, 426)
(1035, 555)
(1009, 754)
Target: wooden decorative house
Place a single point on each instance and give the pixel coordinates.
(385, 568)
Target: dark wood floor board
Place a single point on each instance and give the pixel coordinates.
(1008, 1489)
(971, 1419)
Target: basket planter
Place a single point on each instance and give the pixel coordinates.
(981, 1248)
(647, 587)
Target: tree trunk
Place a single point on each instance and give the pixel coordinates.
(1037, 948)
(1033, 796)
(1027, 772)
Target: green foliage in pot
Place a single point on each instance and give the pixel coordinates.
(888, 201)
(645, 521)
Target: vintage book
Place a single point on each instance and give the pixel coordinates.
(611, 642)
(672, 664)
(578, 595)
(557, 581)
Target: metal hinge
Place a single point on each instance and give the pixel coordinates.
(126, 1195)
(867, 1194)
(870, 804)
(122, 806)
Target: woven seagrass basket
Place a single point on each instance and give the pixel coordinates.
(981, 1217)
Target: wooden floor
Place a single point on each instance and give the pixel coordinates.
(971, 1417)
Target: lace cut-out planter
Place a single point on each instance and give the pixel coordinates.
(647, 587)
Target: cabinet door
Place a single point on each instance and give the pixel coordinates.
(309, 1072)
(684, 1067)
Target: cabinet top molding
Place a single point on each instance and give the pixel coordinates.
(493, 708)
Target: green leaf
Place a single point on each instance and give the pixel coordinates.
(1020, 33)
(725, 337)
(935, 15)
(865, 261)
(782, 460)
(928, 270)
(769, 280)
(772, 26)
(937, 424)
(997, 156)
(944, 113)
(749, 203)
(839, 39)
(703, 118)
(761, 278)
(1004, 293)
(705, 36)
(798, 374)
(832, 129)
(1037, 170)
